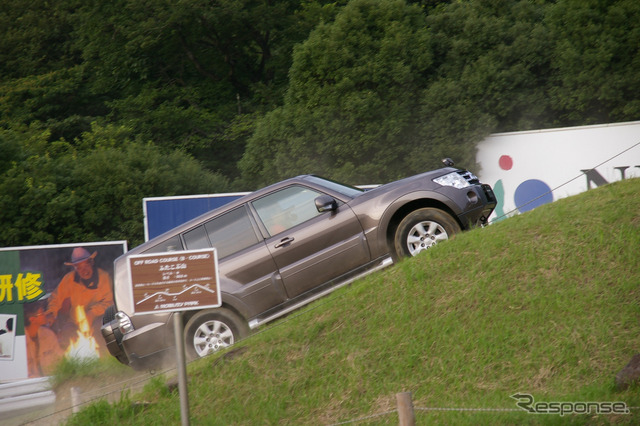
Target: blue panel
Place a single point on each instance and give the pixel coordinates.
(165, 214)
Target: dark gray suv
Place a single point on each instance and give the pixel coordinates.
(288, 244)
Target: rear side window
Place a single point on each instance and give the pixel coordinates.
(172, 244)
(197, 238)
(228, 233)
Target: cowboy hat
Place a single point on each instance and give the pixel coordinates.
(80, 254)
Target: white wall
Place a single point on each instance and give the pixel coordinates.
(15, 368)
(522, 166)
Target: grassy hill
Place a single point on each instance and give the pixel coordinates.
(546, 303)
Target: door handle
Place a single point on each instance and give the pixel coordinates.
(284, 242)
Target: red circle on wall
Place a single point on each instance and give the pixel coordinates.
(506, 162)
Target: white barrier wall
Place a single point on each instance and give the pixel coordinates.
(528, 169)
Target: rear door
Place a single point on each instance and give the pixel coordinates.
(309, 247)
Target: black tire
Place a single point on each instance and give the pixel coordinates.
(422, 229)
(211, 330)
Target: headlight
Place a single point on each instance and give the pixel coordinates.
(452, 179)
(124, 323)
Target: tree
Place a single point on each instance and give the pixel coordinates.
(385, 91)
(42, 80)
(350, 110)
(362, 91)
(57, 101)
(492, 58)
(35, 37)
(595, 61)
(57, 193)
(491, 63)
(181, 73)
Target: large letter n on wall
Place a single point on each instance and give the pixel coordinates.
(594, 176)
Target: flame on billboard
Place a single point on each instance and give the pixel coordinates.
(84, 345)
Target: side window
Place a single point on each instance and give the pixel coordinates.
(228, 233)
(287, 208)
(172, 244)
(196, 238)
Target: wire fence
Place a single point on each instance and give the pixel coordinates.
(426, 409)
(125, 386)
(394, 413)
(79, 398)
(405, 413)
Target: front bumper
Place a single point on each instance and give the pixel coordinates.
(113, 338)
(479, 203)
(143, 348)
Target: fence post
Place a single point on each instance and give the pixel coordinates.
(406, 415)
(75, 399)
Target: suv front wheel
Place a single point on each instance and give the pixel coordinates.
(211, 330)
(422, 229)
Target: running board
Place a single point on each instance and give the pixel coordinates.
(259, 321)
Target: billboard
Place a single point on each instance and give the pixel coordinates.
(52, 299)
(530, 168)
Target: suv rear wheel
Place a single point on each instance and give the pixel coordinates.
(212, 330)
(422, 229)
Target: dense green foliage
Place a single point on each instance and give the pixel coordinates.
(91, 192)
(544, 303)
(352, 108)
(254, 91)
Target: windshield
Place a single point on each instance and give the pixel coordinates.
(347, 190)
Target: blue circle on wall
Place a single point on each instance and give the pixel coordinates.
(532, 189)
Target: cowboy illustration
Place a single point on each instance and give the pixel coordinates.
(86, 286)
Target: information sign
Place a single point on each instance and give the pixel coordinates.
(174, 281)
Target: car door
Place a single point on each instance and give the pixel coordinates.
(308, 246)
(246, 266)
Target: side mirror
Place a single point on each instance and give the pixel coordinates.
(326, 203)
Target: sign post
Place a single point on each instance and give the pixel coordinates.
(176, 282)
(182, 368)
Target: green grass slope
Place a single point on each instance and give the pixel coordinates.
(545, 303)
